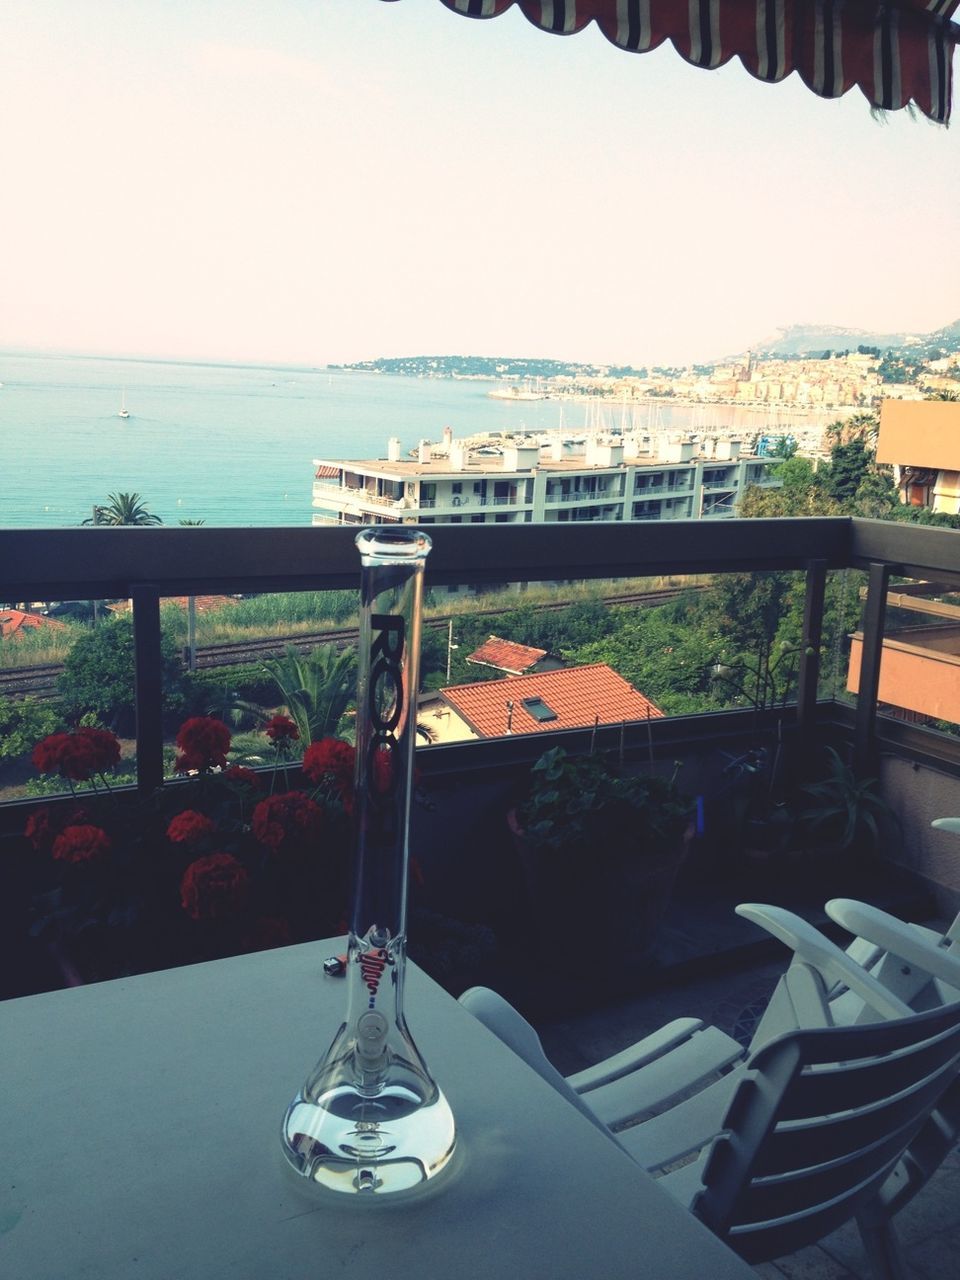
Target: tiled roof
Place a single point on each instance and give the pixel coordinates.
(202, 604)
(506, 656)
(14, 622)
(577, 695)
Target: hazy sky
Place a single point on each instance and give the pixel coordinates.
(330, 180)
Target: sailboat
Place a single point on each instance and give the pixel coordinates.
(123, 412)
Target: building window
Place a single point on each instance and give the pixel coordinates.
(457, 486)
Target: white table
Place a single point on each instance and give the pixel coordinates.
(139, 1138)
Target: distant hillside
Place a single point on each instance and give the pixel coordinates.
(484, 367)
(814, 339)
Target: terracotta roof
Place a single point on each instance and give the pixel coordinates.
(576, 696)
(14, 622)
(202, 604)
(506, 656)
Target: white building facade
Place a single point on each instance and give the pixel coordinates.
(539, 481)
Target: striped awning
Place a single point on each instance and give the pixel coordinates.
(895, 51)
(326, 472)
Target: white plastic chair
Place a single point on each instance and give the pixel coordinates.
(775, 1149)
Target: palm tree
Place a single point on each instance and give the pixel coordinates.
(123, 509)
(316, 689)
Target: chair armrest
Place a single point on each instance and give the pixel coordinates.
(697, 1060)
(834, 965)
(909, 943)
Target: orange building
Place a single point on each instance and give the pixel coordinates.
(920, 439)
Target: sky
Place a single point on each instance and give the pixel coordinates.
(316, 181)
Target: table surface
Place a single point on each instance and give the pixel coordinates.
(139, 1137)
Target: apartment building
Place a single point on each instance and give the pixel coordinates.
(921, 441)
(546, 479)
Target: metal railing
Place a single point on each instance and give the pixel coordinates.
(148, 564)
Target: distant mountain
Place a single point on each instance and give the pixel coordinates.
(814, 339)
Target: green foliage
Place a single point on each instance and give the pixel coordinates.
(123, 509)
(876, 497)
(845, 810)
(665, 652)
(589, 801)
(98, 676)
(849, 464)
(216, 690)
(317, 689)
(24, 723)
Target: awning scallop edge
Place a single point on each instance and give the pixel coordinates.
(896, 53)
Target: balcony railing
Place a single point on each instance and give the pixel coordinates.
(663, 490)
(146, 565)
(584, 497)
(361, 495)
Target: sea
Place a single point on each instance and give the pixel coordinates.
(234, 445)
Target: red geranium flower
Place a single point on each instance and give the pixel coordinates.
(331, 760)
(189, 827)
(73, 755)
(104, 745)
(281, 729)
(237, 773)
(284, 820)
(81, 844)
(48, 751)
(204, 742)
(41, 828)
(214, 887)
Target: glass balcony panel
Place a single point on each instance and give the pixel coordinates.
(920, 657)
(239, 658)
(64, 665)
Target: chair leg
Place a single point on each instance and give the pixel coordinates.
(883, 1248)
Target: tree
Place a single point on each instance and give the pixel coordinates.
(316, 689)
(123, 509)
(849, 463)
(98, 676)
(785, 447)
(876, 497)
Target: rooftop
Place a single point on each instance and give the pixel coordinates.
(574, 698)
(506, 655)
(16, 622)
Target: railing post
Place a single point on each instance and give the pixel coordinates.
(871, 653)
(148, 685)
(808, 679)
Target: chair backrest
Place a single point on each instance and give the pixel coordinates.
(817, 1124)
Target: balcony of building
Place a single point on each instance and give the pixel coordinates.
(708, 962)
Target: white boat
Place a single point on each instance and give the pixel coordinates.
(123, 412)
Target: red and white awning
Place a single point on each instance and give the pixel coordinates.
(896, 51)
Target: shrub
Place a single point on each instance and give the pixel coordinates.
(24, 723)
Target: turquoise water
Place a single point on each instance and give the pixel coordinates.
(226, 444)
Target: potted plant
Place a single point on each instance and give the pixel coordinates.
(844, 813)
(599, 846)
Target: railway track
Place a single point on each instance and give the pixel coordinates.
(41, 681)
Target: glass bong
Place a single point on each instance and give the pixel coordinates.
(370, 1119)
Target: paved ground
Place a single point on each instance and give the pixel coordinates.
(928, 1228)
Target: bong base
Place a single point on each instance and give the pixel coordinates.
(369, 1146)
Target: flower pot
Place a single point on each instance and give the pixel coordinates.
(621, 895)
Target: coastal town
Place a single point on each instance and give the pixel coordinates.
(812, 368)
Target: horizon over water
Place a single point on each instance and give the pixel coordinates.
(229, 444)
